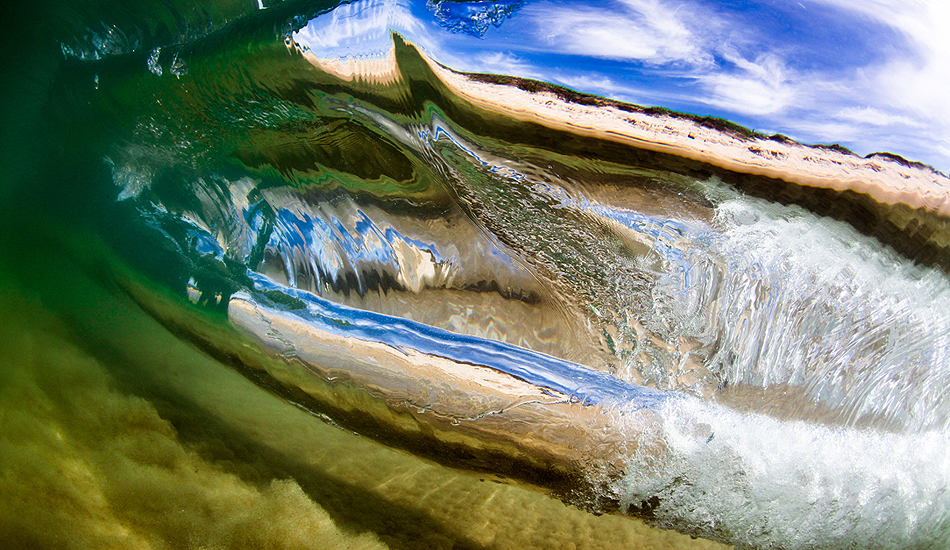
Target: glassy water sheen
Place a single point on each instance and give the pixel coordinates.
(294, 191)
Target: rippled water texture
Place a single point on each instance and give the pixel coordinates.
(234, 236)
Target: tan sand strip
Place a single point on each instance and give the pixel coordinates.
(884, 177)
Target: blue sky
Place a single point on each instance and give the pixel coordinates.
(872, 75)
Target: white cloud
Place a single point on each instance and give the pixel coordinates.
(689, 40)
(863, 137)
(763, 86)
(652, 31)
(916, 81)
(875, 117)
(506, 63)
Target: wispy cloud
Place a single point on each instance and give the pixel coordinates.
(599, 84)
(876, 117)
(508, 64)
(912, 84)
(689, 41)
(762, 86)
(897, 100)
(651, 31)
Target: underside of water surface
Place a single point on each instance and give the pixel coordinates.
(299, 193)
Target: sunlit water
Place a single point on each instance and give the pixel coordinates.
(772, 375)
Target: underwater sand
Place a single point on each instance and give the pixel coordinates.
(118, 435)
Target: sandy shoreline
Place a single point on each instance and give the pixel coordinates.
(882, 176)
(885, 179)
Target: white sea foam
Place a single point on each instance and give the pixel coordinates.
(765, 483)
(778, 296)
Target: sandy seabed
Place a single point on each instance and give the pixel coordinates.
(118, 435)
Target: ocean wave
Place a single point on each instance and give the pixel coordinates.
(639, 311)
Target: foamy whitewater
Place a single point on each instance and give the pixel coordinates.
(792, 484)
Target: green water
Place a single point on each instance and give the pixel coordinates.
(114, 433)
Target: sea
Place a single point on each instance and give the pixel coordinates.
(259, 293)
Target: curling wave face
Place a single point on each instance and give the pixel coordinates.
(671, 338)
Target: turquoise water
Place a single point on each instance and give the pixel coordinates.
(222, 254)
